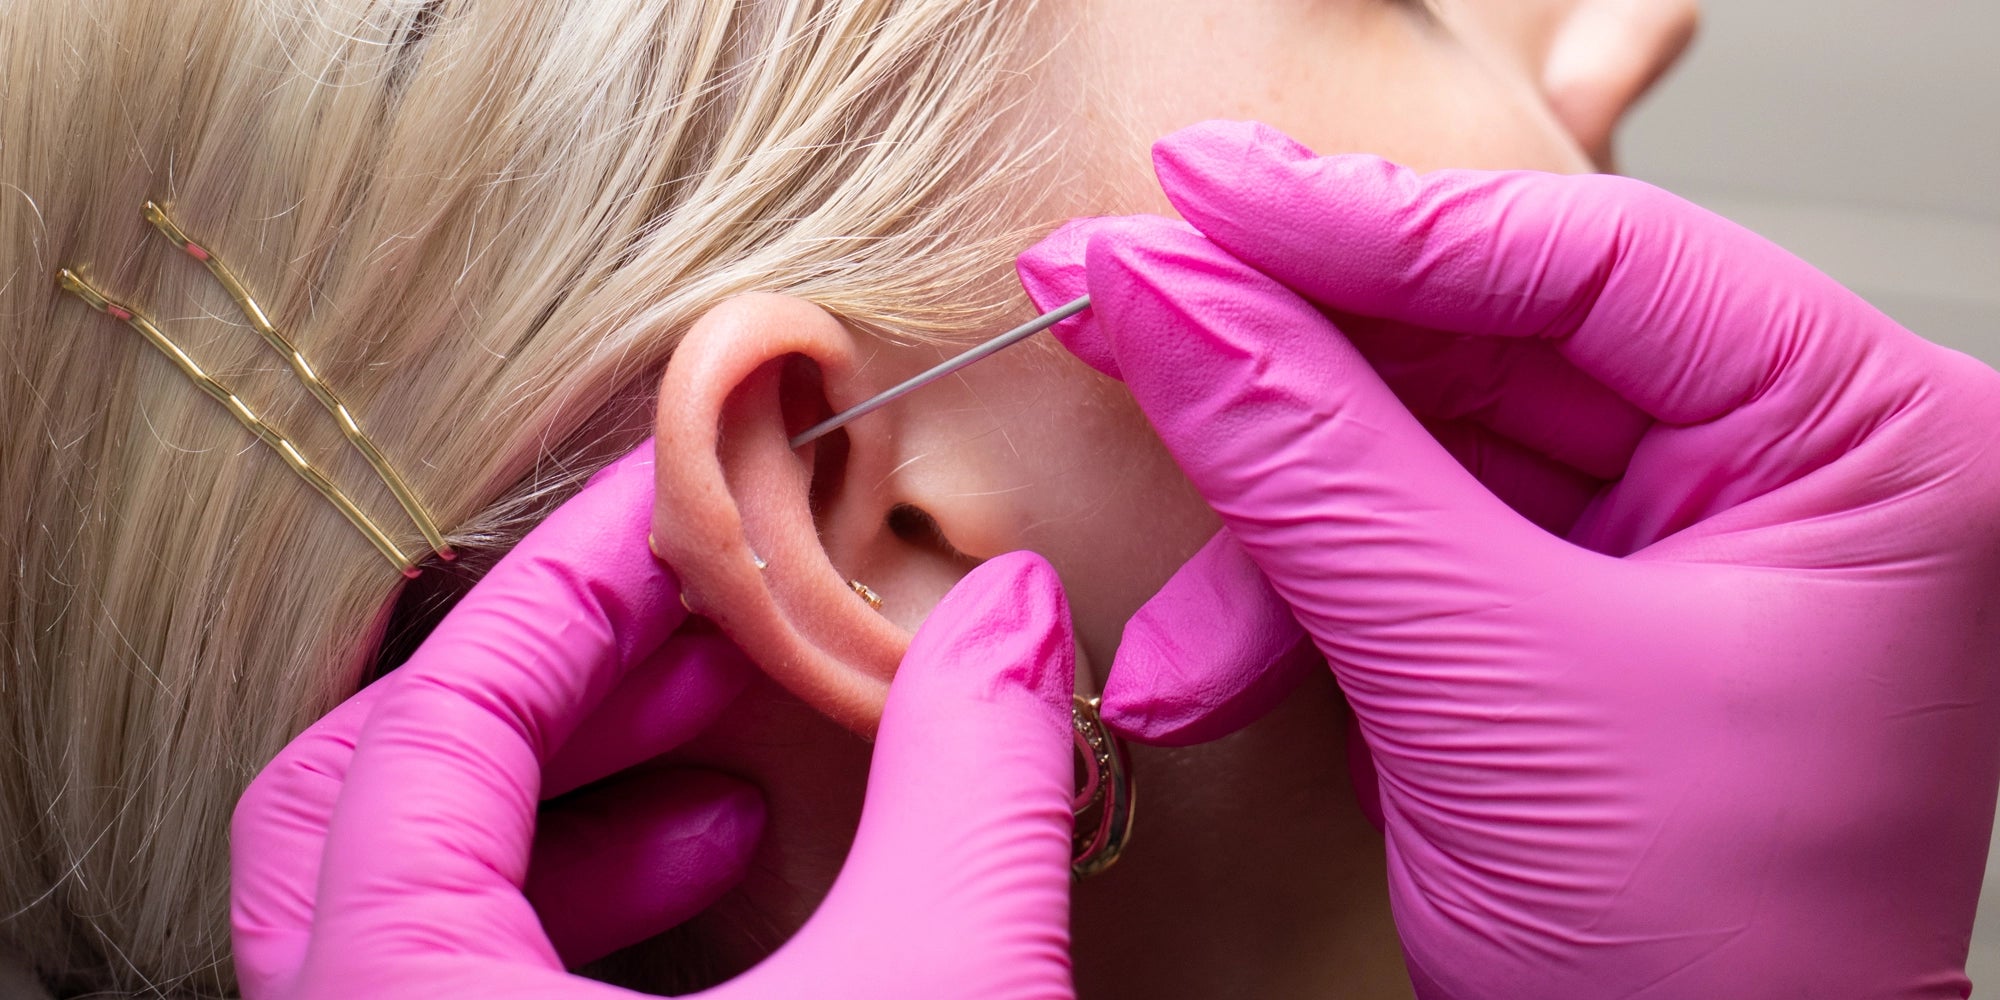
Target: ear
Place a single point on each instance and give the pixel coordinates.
(1605, 56)
(732, 493)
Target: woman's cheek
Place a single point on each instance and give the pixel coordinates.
(1038, 452)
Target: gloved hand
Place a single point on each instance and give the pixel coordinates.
(387, 852)
(1666, 596)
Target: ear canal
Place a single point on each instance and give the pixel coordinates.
(731, 495)
(802, 393)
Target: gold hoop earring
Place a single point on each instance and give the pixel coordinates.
(1104, 798)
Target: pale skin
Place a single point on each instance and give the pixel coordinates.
(1253, 871)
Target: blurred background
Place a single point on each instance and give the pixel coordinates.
(1864, 136)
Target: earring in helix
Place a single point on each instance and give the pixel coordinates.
(866, 593)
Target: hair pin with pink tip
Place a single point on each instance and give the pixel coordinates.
(76, 285)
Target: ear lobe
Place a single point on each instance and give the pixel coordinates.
(1606, 55)
(731, 491)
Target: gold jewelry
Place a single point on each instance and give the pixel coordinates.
(75, 284)
(1103, 806)
(278, 341)
(874, 599)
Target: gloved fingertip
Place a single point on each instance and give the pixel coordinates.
(1007, 620)
(663, 702)
(1060, 268)
(717, 820)
(639, 460)
(1052, 269)
(1149, 698)
(1266, 197)
(1214, 154)
(1147, 264)
(1053, 273)
(1137, 703)
(735, 813)
(643, 853)
(1136, 240)
(1214, 650)
(1144, 706)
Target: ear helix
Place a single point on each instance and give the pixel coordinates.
(734, 512)
(862, 590)
(1105, 797)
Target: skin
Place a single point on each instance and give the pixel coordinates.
(1253, 870)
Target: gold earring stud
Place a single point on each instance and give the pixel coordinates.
(866, 593)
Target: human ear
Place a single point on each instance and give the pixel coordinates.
(1605, 56)
(764, 538)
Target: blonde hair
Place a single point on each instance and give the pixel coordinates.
(487, 224)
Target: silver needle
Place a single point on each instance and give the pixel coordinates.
(986, 350)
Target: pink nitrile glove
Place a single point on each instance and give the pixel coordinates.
(611, 864)
(1666, 596)
(392, 851)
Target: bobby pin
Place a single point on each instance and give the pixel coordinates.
(283, 345)
(75, 285)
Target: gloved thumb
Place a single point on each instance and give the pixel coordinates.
(1359, 519)
(1213, 651)
(958, 880)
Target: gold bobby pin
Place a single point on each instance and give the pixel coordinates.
(278, 341)
(82, 289)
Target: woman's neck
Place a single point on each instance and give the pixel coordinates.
(1252, 872)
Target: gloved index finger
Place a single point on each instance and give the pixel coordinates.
(1683, 313)
(1213, 651)
(432, 833)
(275, 839)
(662, 702)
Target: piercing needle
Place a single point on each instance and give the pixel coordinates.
(985, 350)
